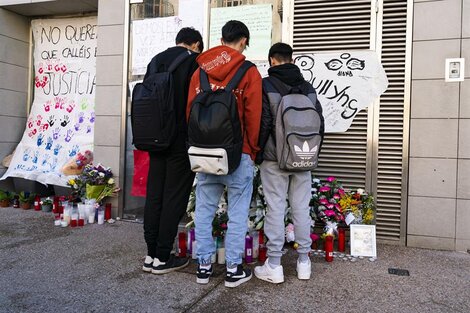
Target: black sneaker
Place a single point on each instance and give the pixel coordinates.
(148, 264)
(174, 263)
(239, 277)
(203, 275)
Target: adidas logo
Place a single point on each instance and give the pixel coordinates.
(305, 153)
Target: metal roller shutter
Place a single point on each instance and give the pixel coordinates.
(369, 155)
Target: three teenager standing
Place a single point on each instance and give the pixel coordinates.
(167, 192)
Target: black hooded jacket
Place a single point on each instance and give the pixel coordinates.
(291, 76)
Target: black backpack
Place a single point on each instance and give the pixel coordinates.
(215, 136)
(153, 116)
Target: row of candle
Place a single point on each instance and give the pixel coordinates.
(255, 247)
(81, 214)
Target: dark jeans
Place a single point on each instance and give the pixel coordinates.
(168, 187)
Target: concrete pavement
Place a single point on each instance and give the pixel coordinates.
(97, 268)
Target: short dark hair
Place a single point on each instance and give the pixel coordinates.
(233, 31)
(281, 52)
(188, 36)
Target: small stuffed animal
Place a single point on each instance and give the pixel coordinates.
(76, 164)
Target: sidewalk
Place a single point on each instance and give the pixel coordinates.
(97, 268)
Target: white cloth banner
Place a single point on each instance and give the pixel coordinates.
(61, 121)
(150, 37)
(346, 82)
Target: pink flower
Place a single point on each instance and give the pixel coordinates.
(341, 192)
(323, 201)
(330, 206)
(331, 179)
(338, 207)
(324, 189)
(329, 213)
(223, 226)
(336, 196)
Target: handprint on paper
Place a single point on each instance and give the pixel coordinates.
(55, 133)
(38, 120)
(70, 107)
(84, 104)
(81, 117)
(49, 143)
(39, 141)
(35, 158)
(47, 106)
(26, 154)
(32, 133)
(53, 165)
(92, 117)
(44, 161)
(64, 122)
(74, 151)
(69, 135)
(57, 149)
(44, 127)
(51, 120)
(77, 127)
(88, 129)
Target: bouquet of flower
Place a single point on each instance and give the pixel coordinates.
(360, 204)
(95, 182)
(325, 204)
(258, 205)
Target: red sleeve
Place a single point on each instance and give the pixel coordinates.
(252, 98)
(193, 85)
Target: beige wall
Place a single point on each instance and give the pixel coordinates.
(14, 63)
(439, 177)
(109, 85)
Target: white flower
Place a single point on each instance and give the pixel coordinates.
(111, 181)
(316, 180)
(360, 191)
(101, 174)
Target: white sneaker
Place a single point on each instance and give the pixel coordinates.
(304, 270)
(269, 274)
(148, 264)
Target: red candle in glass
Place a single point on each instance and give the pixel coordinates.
(329, 248)
(81, 222)
(262, 253)
(107, 211)
(341, 240)
(73, 223)
(37, 203)
(182, 245)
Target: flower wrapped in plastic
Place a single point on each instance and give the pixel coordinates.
(95, 182)
(325, 204)
(360, 205)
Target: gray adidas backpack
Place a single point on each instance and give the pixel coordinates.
(298, 125)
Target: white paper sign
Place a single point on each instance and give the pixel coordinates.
(61, 121)
(346, 82)
(150, 37)
(363, 240)
(191, 13)
(258, 19)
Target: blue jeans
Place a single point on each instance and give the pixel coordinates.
(208, 192)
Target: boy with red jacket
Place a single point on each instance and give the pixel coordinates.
(221, 63)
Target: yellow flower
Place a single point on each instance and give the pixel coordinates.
(71, 182)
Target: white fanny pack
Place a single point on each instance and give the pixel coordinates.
(208, 160)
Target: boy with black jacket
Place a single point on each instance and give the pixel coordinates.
(170, 177)
(278, 183)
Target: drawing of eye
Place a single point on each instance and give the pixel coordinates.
(355, 64)
(334, 65)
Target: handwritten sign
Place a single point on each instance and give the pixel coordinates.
(346, 82)
(191, 13)
(258, 19)
(61, 121)
(150, 37)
